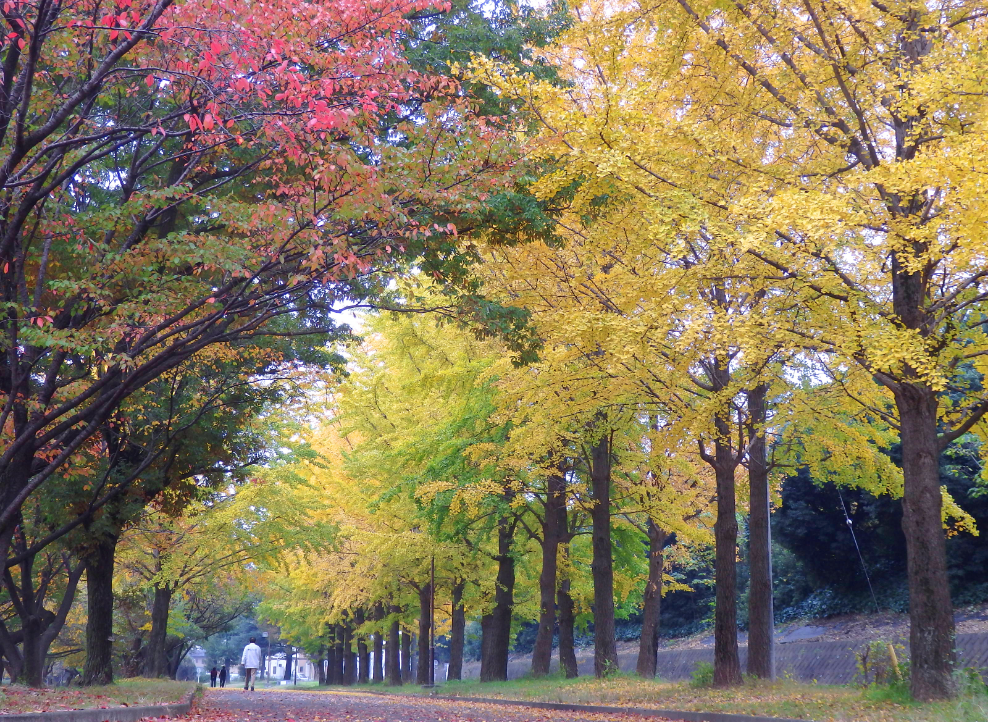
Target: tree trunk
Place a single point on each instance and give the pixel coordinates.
(377, 674)
(406, 656)
(289, 663)
(727, 666)
(349, 655)
(567, 631)
(363, 661)
(13, 660)
(425, 625)
(331, 655)
(99, 618)
(761, 617)
(496, 626)
(394, 656)
(363, 656)
(457, 633)
(32, 652)
(648, 645)
(157, 654)
(340, 660)
(321, 667)
(555, 504)
(931, 617)
(605, 660)
(39, 626)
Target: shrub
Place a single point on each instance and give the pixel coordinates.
(881, 663)
(703, 675)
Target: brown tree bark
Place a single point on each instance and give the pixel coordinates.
(567, 616)
(425, 625)
(32, 653)
(727, 665)
(496, 626)
(393, 659)
(99, 561)
(331, 655)
(761, 616)
(377, 669)
(157, 653)
(321, 667)
(931, 616)
(648, 645)
(363, 655)
(406, 656)
(290, 653)
(340, 659)
(605, 660)
(12, 660)
(349, 655)
(457, 633)
(567, 631)
(555, 504)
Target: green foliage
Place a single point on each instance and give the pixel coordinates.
(881, 663)
(971, 682)
(702, 675)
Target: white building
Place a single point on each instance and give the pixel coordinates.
(198, 657)
(274, 666)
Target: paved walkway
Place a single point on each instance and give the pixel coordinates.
(229, 705)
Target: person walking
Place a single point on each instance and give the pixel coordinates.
(223, 676)
(251, 660)
(213, 673)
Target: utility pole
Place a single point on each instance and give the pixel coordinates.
(432, 625)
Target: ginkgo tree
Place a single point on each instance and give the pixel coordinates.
(838, 146)
(653, 319)
(416, 416)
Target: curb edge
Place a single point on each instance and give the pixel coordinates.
(111, 714)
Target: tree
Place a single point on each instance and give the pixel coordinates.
(52, 573)
(173, 443)
(626, 317)
(183, 557)
(813, 84)
(189, 186)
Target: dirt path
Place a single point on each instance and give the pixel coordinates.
(228, 705)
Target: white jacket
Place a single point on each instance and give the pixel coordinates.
(251, 658)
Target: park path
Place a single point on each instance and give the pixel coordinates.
(235, 705)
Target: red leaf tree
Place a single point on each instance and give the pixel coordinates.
(178, 175)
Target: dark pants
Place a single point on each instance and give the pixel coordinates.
(249, 674)
(212, 681)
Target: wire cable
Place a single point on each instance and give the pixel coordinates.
(864, 567)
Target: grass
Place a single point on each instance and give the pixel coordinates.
(823, 703)
(126, 692)
(267, 684)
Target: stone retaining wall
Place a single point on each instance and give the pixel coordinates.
(823, 662)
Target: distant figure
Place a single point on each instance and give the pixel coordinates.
(213, 673)
(251, 659)
(223, 676)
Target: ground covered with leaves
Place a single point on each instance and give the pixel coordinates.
(792, 700)
(345, 706)
(15, 699)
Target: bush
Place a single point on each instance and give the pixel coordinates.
(883, 664)
(970, 682)
(703, 675)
